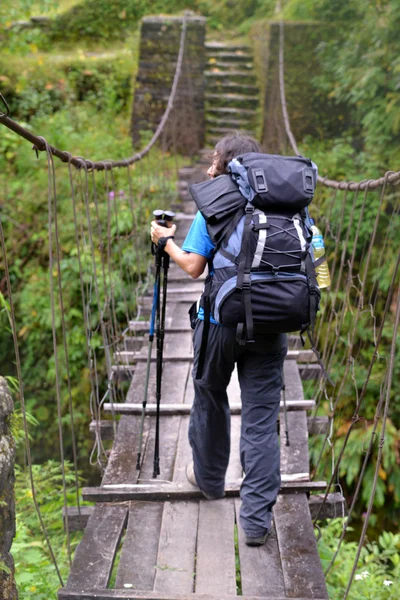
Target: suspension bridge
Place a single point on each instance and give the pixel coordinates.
(159, 538)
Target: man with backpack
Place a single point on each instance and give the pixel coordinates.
(245, 248)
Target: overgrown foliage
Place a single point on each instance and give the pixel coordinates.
(378, 570)
(35, 573)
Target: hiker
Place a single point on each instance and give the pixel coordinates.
(259, 366)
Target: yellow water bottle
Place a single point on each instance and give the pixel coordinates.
(322, 271)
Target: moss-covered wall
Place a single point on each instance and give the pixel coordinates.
(311, 112)
(8, 589)
(159, 47)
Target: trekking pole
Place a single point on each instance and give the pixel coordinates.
(285, 409)
(156, 292)
(163, 218)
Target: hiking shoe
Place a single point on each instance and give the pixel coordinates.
(256, 541)
(192, 479)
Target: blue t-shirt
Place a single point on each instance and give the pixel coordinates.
(199, 242)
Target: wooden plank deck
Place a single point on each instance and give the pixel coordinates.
(176, 544)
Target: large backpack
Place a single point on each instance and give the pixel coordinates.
(263, 277)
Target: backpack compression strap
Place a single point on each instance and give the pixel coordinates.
(245, 328)
(205, 302)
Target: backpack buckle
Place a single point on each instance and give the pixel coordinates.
(260, 183)
(246, 282)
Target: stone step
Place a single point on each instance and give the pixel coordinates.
(231, 57)
(235, 76)
(230, 110)
(228, 122)
(225, 130)
(230, 66)
(231, 100)
(224, 47)
(228, 87)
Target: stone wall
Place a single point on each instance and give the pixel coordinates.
(311, 112)
(159, 47)
(7, 501)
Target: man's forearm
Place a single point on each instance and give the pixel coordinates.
(192, 264)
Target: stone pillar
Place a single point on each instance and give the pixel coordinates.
(159, 48)
(311, 112)
(8, 590)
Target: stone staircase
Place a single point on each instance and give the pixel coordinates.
(232, 95)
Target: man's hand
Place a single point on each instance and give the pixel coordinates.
(157, 232)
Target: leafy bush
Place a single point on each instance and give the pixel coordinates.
(35, 573)
(24, 212)
(41, 85)
(378, 572)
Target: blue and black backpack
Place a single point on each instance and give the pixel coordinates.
(262, 277)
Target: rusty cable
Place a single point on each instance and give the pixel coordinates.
(353, 186)
(39, 143)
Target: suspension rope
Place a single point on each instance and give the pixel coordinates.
(28, 453)
(389, 177)
(52, 200)
(102, 165)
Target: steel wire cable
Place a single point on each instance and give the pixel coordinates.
(102, 165)
(52, 193)
(371, 184)
(28, 453)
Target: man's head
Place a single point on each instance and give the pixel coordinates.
(227, 148)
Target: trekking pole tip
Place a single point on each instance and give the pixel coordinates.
(138, 461)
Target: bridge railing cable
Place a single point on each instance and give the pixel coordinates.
(107, 279)
(357, 327)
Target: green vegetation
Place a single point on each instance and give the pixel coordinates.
(378, 571)
(72, 82)
(36, 576)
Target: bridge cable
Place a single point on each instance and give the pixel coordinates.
(371, 184)
(52, 206)
(101, 165)
(23, 407)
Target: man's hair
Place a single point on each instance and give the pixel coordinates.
(230, 146)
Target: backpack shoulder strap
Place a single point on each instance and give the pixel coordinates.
(245, 328)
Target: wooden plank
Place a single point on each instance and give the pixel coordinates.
(147, 301)
(294, 387)
(139, 552)
(122, 372)
(318, 425)
(184, 409)
(121, 466)
(77, 517)
(179, 349)
(183, 453)
(176, 553)
(169, 427)
(260, 567)
(294, 458)
(215, 562)
(302, 571)
(312, 371)
(191, 286)
(334, 506)
(126, 357)
(144, 326)
(234, 471)
(152, 492)
(233, 390)
(94, 557)
(106, 429)
(96, 594)
(172, 389)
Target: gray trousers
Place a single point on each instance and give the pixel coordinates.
(259, 367)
